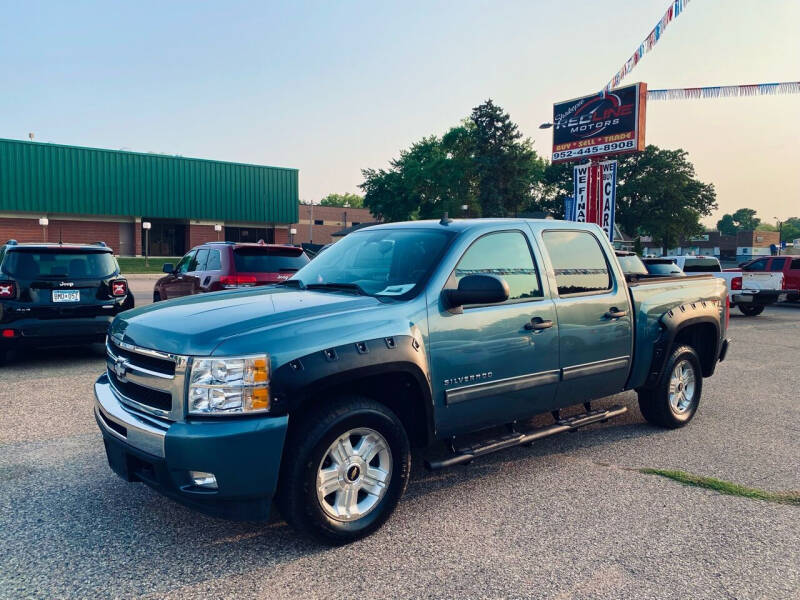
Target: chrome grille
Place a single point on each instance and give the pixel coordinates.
(147, 380)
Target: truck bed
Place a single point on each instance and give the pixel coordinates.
(652, 299)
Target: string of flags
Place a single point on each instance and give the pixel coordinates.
(676, 7)
(726, 91)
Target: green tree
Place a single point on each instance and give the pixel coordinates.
(658, 195)
(483, 163)
(744, 219)
(726, 225)
(347, 199)
(790, 229)
(506, 165)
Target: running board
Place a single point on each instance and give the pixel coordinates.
(470, 453)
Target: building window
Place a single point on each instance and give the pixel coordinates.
(319, 222)
(356, 223)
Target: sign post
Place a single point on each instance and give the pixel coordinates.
(146, 226)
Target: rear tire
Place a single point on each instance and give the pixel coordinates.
(358, 452)
(156, 297)
(674, 400)
(751, 311)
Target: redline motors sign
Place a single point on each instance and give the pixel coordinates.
(604, 124)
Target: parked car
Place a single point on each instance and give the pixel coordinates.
(58, 294)
(226, 265)
(751, 292)
(314, 391)
(631, 264)
(788, 265)
(663, 267)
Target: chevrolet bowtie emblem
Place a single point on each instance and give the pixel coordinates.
(121, 369)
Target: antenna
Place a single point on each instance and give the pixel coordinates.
(445, 220)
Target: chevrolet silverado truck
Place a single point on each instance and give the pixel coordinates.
(443, 336)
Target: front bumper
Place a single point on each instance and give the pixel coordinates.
(243, 453)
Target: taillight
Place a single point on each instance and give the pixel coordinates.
(736, 283)
(8, 289)
(119, 287)
(231, 281)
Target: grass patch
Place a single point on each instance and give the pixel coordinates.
(130, 265)
(726, 487)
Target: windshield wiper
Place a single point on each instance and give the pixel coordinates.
(347, 287)
(294, 282)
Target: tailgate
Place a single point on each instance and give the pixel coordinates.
(762, 281)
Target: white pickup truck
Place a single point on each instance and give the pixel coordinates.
(750, 291)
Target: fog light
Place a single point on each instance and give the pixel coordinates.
(203, 479)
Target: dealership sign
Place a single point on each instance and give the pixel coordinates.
(605, 124)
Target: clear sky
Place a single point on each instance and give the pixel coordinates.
(334, 87)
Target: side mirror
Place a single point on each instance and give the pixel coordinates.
(477, 289)
(168, 268)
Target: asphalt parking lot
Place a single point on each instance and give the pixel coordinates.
(570, 517)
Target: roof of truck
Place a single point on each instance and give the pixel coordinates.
(465, 224)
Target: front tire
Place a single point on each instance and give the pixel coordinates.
(156, 297)
(751, 311)
(674, 400)
(345, 468)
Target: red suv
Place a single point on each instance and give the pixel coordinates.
(225, 265)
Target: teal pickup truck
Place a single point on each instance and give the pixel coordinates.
(447, 336)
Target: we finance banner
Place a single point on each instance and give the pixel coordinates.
(594, 198)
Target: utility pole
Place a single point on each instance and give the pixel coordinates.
(311, 223)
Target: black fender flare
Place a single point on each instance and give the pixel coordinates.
(297, 381)
(676, 320)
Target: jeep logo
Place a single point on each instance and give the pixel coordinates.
(66, 284)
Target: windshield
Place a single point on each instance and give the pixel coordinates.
(382, 262)
(701, 265)
(631, 264)
(57, 263)
(268, 260)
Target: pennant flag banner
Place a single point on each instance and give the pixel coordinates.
(726, 91)
(676, 7)
(569, 208)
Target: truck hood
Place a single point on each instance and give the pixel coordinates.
(196, 325)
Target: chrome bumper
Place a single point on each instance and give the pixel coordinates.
(120, 423)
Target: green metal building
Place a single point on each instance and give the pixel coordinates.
(90, 194)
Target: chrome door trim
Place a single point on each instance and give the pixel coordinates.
(595, 368)
(501, 386)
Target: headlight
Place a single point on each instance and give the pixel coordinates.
(229, 385)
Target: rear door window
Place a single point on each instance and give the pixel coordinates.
(578, 261)
(59, 264)
(777, 264)
(268, 260)
(795, 264)
(214, 262)
(701, 265)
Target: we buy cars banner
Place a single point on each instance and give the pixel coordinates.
(604, 124)
(594, 195)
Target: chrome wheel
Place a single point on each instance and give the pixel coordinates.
(682, 387)
(354, 474)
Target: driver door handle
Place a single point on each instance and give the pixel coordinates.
(537, 324)
(615, 313)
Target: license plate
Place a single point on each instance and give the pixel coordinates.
(66, 296)
(744, 298)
